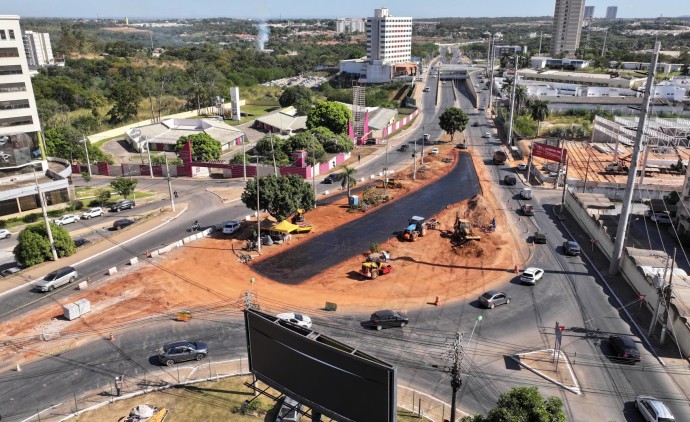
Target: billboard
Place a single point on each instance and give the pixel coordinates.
(321, 373)
(549, 152)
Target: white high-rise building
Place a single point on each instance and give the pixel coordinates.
(350, 25)
(567, 24)
(38, 49)
(611, 12)
(389, 38)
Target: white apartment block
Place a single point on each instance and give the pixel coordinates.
(350, 25)
(38, 49)
(611, 12)
(389, 38)
(567, 24)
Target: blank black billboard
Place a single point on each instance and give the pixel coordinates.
(319, 372)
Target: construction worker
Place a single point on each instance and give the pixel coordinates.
(118, 385)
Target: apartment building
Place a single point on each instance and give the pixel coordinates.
(37, 48)
(567, 25)
(611, 12)
(350, 25)
(389, 38)
(589, 12)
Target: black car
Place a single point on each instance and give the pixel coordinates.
(625, 348)
(372, 141)
(121, 224)
(181, 351)
(387, 319)
(79, 242)
(539, 237)
(510, 180)
(404, 148)
(570, 247)
(461, 145)
(331, 178)
(124, 204)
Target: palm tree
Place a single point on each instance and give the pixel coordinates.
(540, 111)
(520, 96)
(347, 178)
(507, 85)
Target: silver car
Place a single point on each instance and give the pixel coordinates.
(56, 279)
(492, 298)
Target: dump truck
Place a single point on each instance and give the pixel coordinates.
(500, 156)
(416, 227)
(463, 230)
(374, 269)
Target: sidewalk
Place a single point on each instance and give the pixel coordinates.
(151, 221)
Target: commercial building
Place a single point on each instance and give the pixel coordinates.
(21, 151)
(567, 24)
(163, 136)
(611, 12)
(500, 50)
(350, 25)
(589, 12)
(38, 49)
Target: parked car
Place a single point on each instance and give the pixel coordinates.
(79, 242)
(331, 178)
(5, 234)
(12, 270)
(124, 204)
(625, 348)
(231, 226)
(526, 193)
(388, 318)
(570, 247)
(539, 237)
(527, 210)
(426, 89)
(486, 134)
(404, 147)
(297, 319)
(434, 151)
(475, 124)
(65, 219)
(522, 167)
(371, 141)
(653, 410)
(93, 212)
(531, 275)
(181, 351)
(658, 217)
(510, 180)
(56, 279)
(461, 145)
(492, 298)
(289, 411)
(121, 224)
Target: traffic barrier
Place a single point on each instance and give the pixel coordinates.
(112, 337)
(83, 285)
(112, 270)
(153, 254)
(18, 368)
(326, 193)
(133, 261)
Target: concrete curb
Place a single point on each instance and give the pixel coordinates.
(575, 390)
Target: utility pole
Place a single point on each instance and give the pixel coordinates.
(455, 381)
(414, 157)
(244, 159)
(258, 214)
(540, 35)
(491, 76)
(148, 152)
(561, 145)
(45, 217)
(630, 186)
(313, 174)
(603, 47)
(169, 179)
(659, 290)
(512, 103)
(529, 162)
(86, 148)
(565, 183)
(273, 153)
(668, 294)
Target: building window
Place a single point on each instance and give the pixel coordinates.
(11, 31)
(9, 52)
(3, 36)
(16, 121)
(14, 87)
(11, 70)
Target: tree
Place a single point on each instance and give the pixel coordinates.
(303, 106)
(280, 196)
(523, 404)
(329, 114)
(86, 176)
(294, 93)
(453, 120)
(102, 195)
(539, 110)
(33, 246)
(126, 97)
(124, 186)
(347, 178)
(520, 97)
(204, 148)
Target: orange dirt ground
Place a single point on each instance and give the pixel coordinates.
(208, 273)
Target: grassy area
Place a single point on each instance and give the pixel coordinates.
(253, 111)
(206, 401)
(87, 193)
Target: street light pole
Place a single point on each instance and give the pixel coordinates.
(244, 160)
(86, 148)
(169, 179)
(45, 217)
(512, 103)
(414, 156)
(148, 152)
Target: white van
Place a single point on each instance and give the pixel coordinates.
(526, 193)
(231, 227)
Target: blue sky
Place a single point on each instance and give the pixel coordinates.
(323, 8)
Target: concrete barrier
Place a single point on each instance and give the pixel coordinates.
(112, 270)
(249, 217)
(153, 254)
(326, 192)
(133, 261)
(83, 285)
(186, 240)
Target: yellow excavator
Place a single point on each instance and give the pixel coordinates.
(463, 230)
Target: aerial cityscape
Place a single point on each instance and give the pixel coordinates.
(312, 211)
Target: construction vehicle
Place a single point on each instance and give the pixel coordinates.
(374, 269)
(500, 157)
(383, 256)
(617, 167)
(416, 227)
(463, 230)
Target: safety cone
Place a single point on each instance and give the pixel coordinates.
(437, 302)
(18, 369)
(112, 337)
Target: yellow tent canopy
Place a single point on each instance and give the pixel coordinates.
(284, 227)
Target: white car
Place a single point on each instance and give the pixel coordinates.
(231, 227)
(434, 151)
(522, 167)
(531, 275)
(297, 319)
(65, 219)
(486, 135)
(93, 212)
(5, 234)
(653, 410)
(658, 217)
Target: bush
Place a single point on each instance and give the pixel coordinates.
(375, 247)
(77, 205)
(3, 224)
(94, 203)
(54, 213)
(31, 218)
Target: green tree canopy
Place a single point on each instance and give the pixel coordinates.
(124, 186)
(308, 142)
(331, 142)
(347, 178)
(523, 404)
(453, 120)
(33, 246)
(280, 196)
(329, 114)
(126, 96)
(292, 94)
(204, 148)
(280, 147)
(539, 109)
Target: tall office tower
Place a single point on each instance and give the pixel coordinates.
(611, 12)
(389, 38)
(589, 12)
(567, 24)
(37, 48)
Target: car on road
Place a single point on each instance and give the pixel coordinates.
(404, 148)
(522, 167)
(5, 234)
(123, 204)
(526, 193)
(181, 351)
(231, 226)
(79, 242)
(93, 212)
(387, 318)
(653, 410)
(486, 135)
(434, 151)
(475, 124)
(492, 298)
(539, 237)
(510, 180)
(331, 178)
(426, 89)
(461, 145)
(624, 347)
(65, 219)
(121, 224)
(297, 319)
(56, 279)
(531, 275)
(570, 247)
(12, 270)
(658, 217)
(527, 210)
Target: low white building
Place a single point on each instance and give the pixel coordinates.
(163, 136)
(544, 62)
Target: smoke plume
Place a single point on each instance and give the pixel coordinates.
(264, 30)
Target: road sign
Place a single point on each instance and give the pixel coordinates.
(549, 152)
